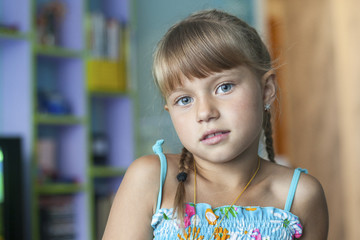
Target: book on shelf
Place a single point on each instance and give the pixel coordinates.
(104, 37)
(113, 39)
(46, 151)
(57, 217)
(106, 67)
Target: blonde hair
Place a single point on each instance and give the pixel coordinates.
(204, 43)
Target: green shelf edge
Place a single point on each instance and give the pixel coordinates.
(54, 51)
(59, 188)
(59, 120)
(14, 35)
(107, 171)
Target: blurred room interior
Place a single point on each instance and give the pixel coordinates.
(76, 90)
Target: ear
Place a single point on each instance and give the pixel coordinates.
(268, 83)
(166, 107)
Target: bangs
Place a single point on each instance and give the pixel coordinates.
(195, 50)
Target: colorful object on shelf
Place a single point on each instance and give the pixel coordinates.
(53, 103)
(47, 164)
(100, 149)
(104, 37)
(46, 150)
(48, 22)
(108, 46)
(106, 75)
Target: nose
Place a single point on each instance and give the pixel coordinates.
(207, 110)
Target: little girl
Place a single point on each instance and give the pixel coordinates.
(216, 77)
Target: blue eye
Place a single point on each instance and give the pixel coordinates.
(224, 88)
(184, 101)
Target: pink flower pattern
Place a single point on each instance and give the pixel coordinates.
(298, 231)
(256, 234)
(189, 212)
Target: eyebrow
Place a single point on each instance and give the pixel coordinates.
(177, 89)
(213, 77)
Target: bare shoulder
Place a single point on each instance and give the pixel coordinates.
(311, 207)
(135, 198)
(143, 176)
(281, 178)
(147, 170)
(308, 190)
(144, 167)
(309, 201)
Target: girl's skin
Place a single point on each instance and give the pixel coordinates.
(231, 104)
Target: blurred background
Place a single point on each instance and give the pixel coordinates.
(78, 103)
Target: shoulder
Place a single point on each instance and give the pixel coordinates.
(311, 207)
(308, 188)
(309, 197)
(142, 179)
(309, 202)
(145, 165)
(149, 166)
(143, 175)
(280, 178)
(135, 197)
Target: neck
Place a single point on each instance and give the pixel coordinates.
(230, 174)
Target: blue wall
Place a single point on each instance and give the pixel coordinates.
(153, 18)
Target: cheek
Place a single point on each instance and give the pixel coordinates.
(181, 124)
(247, 110)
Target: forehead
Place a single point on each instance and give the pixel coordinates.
(230, 74)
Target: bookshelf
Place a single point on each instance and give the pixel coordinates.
(60, 95)
(108, 101)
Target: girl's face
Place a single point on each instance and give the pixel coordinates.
(219, 118)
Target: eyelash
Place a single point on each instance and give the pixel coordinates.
(178, 100)
(224, 84)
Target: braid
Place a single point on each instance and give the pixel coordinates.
(185, 162)
(268, 136)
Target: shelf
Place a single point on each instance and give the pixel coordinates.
(60, 52)
(59, 120)
(60, 188)
(50, 74)
(100, 171)
(14, 35)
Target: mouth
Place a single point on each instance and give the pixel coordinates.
(212, 134)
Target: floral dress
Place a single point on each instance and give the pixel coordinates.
(239, 222)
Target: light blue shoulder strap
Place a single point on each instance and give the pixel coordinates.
(158, 150)
(293, 187)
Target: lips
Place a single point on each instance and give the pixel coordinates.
(213, 133)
